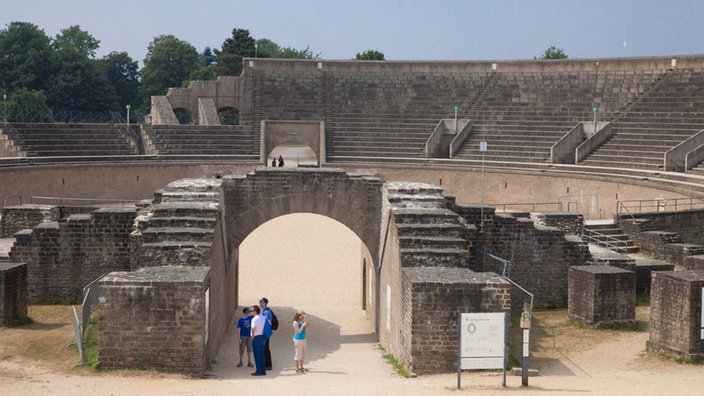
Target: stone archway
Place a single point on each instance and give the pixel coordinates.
(310, 133)
(251, 200)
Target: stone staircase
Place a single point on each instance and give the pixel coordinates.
(180, 225)
(610, 236)
(430, 235)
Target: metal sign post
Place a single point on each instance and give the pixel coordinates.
(481, 342)
(525, 326)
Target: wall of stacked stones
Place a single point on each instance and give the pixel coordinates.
(223, 290)
(260, 196)
(63, 256)
(432, 299)
(676, 314)
(540, 256)
(155, 317)
(689, 224)
(13, 292)
(17, 218)
(602, 295)
(394, 329)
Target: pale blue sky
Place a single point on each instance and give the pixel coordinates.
(402, 30)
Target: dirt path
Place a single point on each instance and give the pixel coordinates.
(344, 360)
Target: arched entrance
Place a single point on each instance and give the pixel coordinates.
(355, 202)
(296, 260)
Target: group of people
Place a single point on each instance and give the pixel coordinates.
(255, 328)
(281, 162)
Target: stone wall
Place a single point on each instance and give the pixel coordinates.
(688, 224)
(64, 256)
(155, 317)
(17, 218)
(676, 314)
(431, 300)
(13, 292)
(540, 256)
(602, 296)
(570, 223)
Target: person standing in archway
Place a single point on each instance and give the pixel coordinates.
(299, 341)
(273, 162)
(259, 341)
(281, 162)
(244, 334)
(268, 314)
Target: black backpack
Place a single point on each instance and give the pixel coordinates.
(274, 321)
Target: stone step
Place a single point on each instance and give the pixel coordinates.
(177, 234)
(185, 209)
(155, 254)
(186, 221)
(424, 216)
(435, 257)
(446, 229)
(431, 242)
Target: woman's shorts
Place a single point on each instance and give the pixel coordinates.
(299, 346)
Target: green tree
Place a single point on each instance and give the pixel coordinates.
(207, 57)
(553, 53)
(370, 55)
(292, 53)
(26, 57)
(122, 72)
(78, 84)
(228, 59)
(25, 105)
(74, 37)
(168, 63)
(267, 49)
(205, 73)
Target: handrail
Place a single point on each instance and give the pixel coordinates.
(11, 196)
(531, 204)
(607, 241)
(506, 274)
(620, 205)
(661, 204)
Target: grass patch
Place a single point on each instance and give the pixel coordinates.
(392, 360)
(90, 343)
(642, 299)
(675, 358)
(26, 321)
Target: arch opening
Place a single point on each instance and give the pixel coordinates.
(302, 260)
(183, 116)
(229, 116)
(295, 154)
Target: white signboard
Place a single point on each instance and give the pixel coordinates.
(482, 340)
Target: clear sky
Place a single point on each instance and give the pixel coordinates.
(401, 29)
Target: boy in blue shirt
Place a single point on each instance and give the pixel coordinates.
(244, 335)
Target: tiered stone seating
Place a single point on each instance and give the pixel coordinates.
(203, 140)
(522, 115)
(670, 112)
(366, 113)
(56, 139)
(394, 115)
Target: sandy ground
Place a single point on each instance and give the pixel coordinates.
(343, 355)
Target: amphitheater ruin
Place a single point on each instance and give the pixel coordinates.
(461, 179)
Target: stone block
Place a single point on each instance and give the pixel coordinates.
(601, 295)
